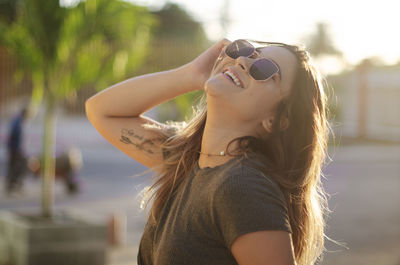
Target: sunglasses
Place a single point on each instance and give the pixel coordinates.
(261, 69)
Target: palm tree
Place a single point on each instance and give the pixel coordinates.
(321, 42)
(97, 42)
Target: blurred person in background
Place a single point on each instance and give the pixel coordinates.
(238, 183)
(67, 167)
(17, 162)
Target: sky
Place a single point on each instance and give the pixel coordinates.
(360, 29)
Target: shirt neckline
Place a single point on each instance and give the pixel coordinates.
(198, 169)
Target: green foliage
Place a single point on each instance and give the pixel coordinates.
(176, 23)
(180, 108)
(108, 49)
(98, 42)
(43, 20)
(8, 10)
(177, 39)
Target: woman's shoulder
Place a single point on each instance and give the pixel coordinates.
(250, 198)
(243, 170)
(243, 177)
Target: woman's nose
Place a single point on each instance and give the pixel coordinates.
(243, 62)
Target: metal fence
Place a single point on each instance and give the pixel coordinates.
(162, 54)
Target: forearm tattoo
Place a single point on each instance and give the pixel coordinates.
(128, 136)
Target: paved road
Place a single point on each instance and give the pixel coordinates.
(363, 181)
(108, 180)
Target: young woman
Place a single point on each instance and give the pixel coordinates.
(239, 183)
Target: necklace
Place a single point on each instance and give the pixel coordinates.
(222, 153)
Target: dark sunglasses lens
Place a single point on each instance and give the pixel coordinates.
(263, 69)
(239, 48)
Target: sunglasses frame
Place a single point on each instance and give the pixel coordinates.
(253, 50)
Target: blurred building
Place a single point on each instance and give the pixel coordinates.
(368, 102)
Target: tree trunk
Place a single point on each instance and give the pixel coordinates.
(48, 152)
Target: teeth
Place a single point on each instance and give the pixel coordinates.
(234, 78)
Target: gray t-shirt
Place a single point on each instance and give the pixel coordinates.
(210, 209)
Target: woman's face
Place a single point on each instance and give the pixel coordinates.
(254, 100)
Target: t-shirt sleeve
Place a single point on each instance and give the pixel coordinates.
(246, 202)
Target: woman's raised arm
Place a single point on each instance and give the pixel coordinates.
(116, 112)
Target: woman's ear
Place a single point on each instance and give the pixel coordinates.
(267, 124)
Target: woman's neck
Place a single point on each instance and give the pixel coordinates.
(215, 140)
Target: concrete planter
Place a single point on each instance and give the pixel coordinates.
(63, 240)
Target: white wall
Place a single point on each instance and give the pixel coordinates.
(382, 101)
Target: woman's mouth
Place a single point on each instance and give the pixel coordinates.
(230, 76)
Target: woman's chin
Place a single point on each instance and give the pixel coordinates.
(218, 85)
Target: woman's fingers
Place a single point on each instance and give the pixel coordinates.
(224, 42)
(219, 46)
(201, 67)
(214, 53)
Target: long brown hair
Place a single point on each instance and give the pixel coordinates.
(293, 155)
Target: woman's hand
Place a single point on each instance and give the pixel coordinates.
(201, 67)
